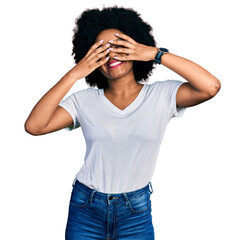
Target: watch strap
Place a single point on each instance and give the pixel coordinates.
(160, 52)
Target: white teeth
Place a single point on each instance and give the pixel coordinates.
(114, 64)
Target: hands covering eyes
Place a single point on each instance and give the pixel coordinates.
(132, 49)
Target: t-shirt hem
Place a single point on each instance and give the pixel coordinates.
(70, 111)
(178, 112)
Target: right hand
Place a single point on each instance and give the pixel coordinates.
(90, 61)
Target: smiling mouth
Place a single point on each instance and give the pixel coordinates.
(114, 64)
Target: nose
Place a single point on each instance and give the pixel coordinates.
(112, 54)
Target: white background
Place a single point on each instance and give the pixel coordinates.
(198, 184)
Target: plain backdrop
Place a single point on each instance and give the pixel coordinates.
(198, 184)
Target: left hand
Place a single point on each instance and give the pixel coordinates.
(133, 50)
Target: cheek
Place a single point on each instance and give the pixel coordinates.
(102, 68)
(130, 64)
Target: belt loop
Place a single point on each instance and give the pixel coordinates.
(126, 197)
(74, 181)
(151, 189)
(91, 196)
(107, 197)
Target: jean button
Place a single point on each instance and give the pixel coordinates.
(111, 197)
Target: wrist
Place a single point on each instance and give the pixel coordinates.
(154, 53)
(163, 58)
(71, 76)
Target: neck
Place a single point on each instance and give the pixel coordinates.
(123, 86)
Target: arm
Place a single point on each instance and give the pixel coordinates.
(38, 121)
(201, 85)
(47, 116)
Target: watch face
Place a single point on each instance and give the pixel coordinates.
(163, 50)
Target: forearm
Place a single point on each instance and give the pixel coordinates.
(197, 76)
(45, 107)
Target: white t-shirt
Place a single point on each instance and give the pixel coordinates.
(122, 145)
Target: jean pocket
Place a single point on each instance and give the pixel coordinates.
(79, 199)
(140, 203)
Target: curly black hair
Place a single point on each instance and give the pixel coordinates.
(92, 21)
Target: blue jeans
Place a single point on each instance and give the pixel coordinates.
(96, 215)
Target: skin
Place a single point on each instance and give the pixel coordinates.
(123, 88)
(47, 116)
(201, 85)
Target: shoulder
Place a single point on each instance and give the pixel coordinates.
(166, 86)
(83, 95)
(86, 92)
(169, 83)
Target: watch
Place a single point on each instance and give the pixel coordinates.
(161, 51)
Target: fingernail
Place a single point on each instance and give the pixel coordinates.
(111, 41)
(115, 57)
(101, 40)
(117, 34)
(108, 44)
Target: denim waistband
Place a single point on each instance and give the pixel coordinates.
(110, 196)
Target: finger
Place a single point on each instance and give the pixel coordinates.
(93, 47)
(101, 62)
(123, 50)
(98, 50)
(125, 37)
(101, 55)
(122, 58)
(121, 43)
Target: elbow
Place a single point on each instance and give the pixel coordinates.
(215, 88)
(30, 129)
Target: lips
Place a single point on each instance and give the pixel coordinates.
(114, 63)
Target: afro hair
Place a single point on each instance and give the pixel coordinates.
(92, 21)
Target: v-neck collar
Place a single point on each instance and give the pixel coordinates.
(131, 106)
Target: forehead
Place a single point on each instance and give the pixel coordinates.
(108, 34)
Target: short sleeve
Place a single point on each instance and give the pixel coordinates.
(170, 88)
(70, 105)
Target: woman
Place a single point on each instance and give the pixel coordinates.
(123, 121)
